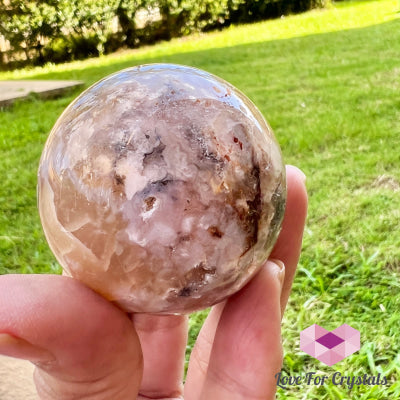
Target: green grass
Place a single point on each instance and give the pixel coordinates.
(328, 82)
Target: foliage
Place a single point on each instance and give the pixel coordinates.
(328, 83)
(23, 23)
(60, 30)
(181, 17)
(86, 19)
(256, 10)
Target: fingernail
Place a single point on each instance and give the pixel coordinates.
(301, 173)
(279, 268)
(13, 346)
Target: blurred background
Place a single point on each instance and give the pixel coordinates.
(326, 76)
(36, 32)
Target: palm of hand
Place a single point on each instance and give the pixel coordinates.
(85, 348)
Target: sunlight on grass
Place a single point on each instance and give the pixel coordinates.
(339, 16)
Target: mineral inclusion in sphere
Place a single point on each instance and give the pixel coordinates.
(162, 188)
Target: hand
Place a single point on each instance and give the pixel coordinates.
(85, 348)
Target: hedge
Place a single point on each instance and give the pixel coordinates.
(60, 30)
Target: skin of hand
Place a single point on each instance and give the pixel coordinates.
(86, 348)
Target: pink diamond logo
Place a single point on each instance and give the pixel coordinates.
(330, 347)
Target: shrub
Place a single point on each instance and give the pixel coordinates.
(62, 30)
(25, 23)
(256, 10)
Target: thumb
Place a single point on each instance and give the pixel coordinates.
(246, 351)
(82, 345)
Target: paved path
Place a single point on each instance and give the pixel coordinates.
(16, 380)
(13, 90)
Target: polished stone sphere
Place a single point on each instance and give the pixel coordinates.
(162, 188)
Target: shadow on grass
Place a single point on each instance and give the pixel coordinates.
(292, 80)
(345, 45)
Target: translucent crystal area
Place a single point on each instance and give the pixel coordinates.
(162, 188)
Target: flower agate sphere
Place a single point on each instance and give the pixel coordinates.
(162, 188)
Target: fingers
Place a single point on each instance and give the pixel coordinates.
(286, 249)
(246, 351)
(84, 346)
(163, 340)
(200, 355)
(288, 246)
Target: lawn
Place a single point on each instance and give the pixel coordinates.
(328, 82)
